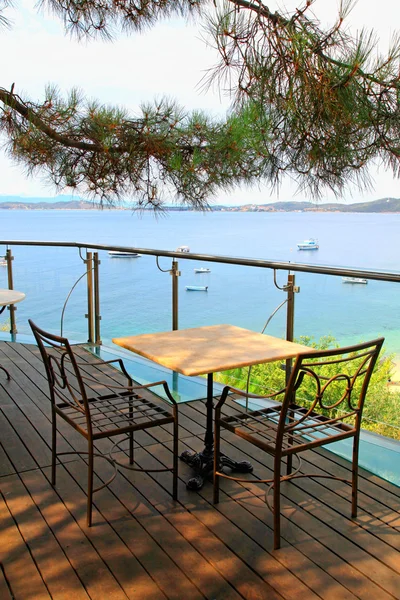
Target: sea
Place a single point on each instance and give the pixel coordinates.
(136, 293)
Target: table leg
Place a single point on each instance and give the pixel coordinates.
(3, 368)
(203, 462)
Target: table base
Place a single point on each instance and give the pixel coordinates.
(203, 465)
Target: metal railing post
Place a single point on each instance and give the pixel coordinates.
(175, 274)
(11, 308)
(89, 278)
(290, 288)
(97, 316)
(175, 314)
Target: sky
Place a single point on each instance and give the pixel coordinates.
(168, 60)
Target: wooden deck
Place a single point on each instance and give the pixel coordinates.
(145, 546)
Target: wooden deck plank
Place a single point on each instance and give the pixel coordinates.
(5, 592)
(325, 524)
(143, 545)
(132, 576)
(55, 569)
(23, 578)
(14, 448)
(330, 591)
(33, 442)
(330, 541)
(147, 536)
(6, 466)
(193, 540)
(235, 559)
(98, 579)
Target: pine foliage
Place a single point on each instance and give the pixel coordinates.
(318, 105)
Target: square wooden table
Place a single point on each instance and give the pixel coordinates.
(204, 351)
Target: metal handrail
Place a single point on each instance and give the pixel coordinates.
(289, 288)
(249, 262)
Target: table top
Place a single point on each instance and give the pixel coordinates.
(210, 349)
(10, 297)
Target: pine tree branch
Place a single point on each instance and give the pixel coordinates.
(16, 104)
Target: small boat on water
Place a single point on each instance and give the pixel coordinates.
(122, 254)
(354, 280)
(182, 249)
(310, 244)
(196, 288)
(202, 270)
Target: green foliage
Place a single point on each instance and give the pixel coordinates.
(382, 406)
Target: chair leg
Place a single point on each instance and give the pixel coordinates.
(289, 457)
(131, 442)
(354, 479)
(90, 485)
(217, 434)
(277, 502)
(289, 464)
(175, 460)
(53, 448)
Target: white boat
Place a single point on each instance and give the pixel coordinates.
(202, 270)
(310, 244)
(182, 249)
(196, 288)
(354, 280)
(122, 254)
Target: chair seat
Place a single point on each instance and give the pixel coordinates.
(260, 427)
(116, 413)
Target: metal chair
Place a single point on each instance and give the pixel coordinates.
(321, 404)
(117, 410)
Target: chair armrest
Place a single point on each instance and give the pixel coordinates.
(228, 390)
(130, 385)
(146, 386)
(107, 362)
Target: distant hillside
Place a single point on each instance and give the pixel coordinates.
(37, 205)
(33, 200)
(384, 205)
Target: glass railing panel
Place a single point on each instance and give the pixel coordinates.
(47, 276)
(135, 296)
(350, 312)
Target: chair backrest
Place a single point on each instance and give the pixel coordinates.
(60, 364)
(332, 383)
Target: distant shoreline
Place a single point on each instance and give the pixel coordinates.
(382, 206)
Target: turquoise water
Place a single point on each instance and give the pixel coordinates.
(136, 295)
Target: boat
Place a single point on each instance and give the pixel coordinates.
(354, 280)
(122, 254)
(196, 288)
(310, 244)
(202, 270)
(182, 249)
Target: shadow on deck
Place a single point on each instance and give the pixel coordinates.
(143, 545)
